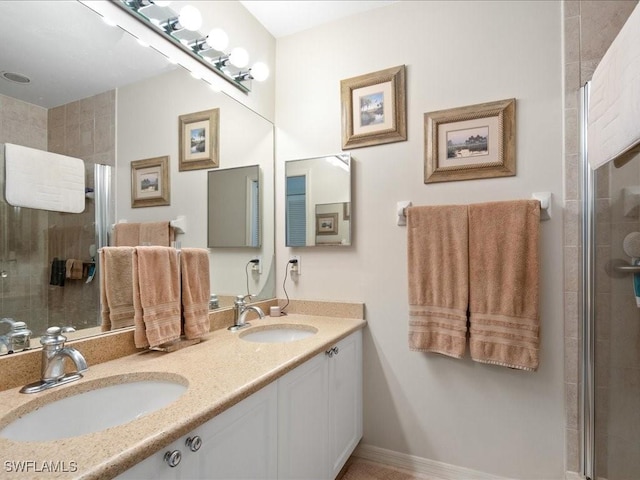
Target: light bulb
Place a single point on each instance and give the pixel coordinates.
(239, 57)
(260, 71)
(218, 39)
(190, 18)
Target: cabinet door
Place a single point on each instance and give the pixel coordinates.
(156, 466)
(240, 443)
(303, 408)
(345, 407)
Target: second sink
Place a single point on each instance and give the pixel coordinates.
(278, 333)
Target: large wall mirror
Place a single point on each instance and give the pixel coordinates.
(133, 94)
(318, 201)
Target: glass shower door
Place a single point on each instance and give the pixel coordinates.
(617, 321)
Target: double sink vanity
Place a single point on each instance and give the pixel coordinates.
(279, 399)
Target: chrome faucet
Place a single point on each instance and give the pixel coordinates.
(53, 355)
(18, 338)
(240, 311)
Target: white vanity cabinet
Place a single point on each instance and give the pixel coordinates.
(320, 412)
(302, 426)
(239, 443)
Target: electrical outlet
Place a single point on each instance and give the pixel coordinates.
(256, 267)
(295, 267)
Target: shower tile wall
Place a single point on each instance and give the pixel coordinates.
(22, 259)
(30, 239)
(83, 129)
(589, 29)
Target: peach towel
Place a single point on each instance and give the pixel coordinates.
(150, 233)
(437, 249)
(156, 297)
(116, 287)
(194, 264)
(504, 284)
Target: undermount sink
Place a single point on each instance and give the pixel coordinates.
(278, 333)
(94, 410)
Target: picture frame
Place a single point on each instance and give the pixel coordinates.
(471, 142)
(150, 185)
(327, 223)
(374, 108)
(199, 140)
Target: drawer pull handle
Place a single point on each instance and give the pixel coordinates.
(332, 351)
(194, 443)
(173, 458)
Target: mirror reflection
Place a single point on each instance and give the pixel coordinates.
(234, 207)
(148, 94)
(318, 201)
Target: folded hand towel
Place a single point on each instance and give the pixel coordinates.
(148, 234)
(195, 291)
(156, 233)
(503, 283)
(158, 278)
(116, 287)
(126, 234)
(140, 332)
(74, 269)
(437, 248)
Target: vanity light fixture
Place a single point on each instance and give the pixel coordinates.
(209, 49)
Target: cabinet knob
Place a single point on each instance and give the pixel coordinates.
(332, 351)
(194, 443)
(173, 458)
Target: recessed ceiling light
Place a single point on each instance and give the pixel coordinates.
(16, 77)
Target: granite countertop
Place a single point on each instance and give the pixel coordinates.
(220, 371)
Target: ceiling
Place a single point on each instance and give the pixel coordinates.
(285, 17)
(54, 43)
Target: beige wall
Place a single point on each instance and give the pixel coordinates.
(487, 418)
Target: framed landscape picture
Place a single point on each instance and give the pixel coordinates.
(150, 182)
(476, 141)
(374, 108)
(198, 140)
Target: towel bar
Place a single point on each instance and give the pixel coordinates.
(543, 197)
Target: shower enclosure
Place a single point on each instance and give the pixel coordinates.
(610, 360)
(32, 241)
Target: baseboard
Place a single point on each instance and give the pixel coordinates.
(439, 470)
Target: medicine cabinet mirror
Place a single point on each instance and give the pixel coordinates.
(318, 201)
(233, 201)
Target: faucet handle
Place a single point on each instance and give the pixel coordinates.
(53, 336)
(240, 299)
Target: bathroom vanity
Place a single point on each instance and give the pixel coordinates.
(252, 409)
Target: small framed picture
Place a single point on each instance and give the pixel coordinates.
(465, 143)
(374, 108)
(198, 139)
(150, 182)
(327, 223)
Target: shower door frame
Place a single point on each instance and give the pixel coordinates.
(587, 291)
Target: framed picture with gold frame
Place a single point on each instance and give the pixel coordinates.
(150, 182)
(198, 140)
(465, 143)
(374, 108)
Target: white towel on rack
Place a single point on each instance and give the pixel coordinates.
(43, 180)
(614, 103)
